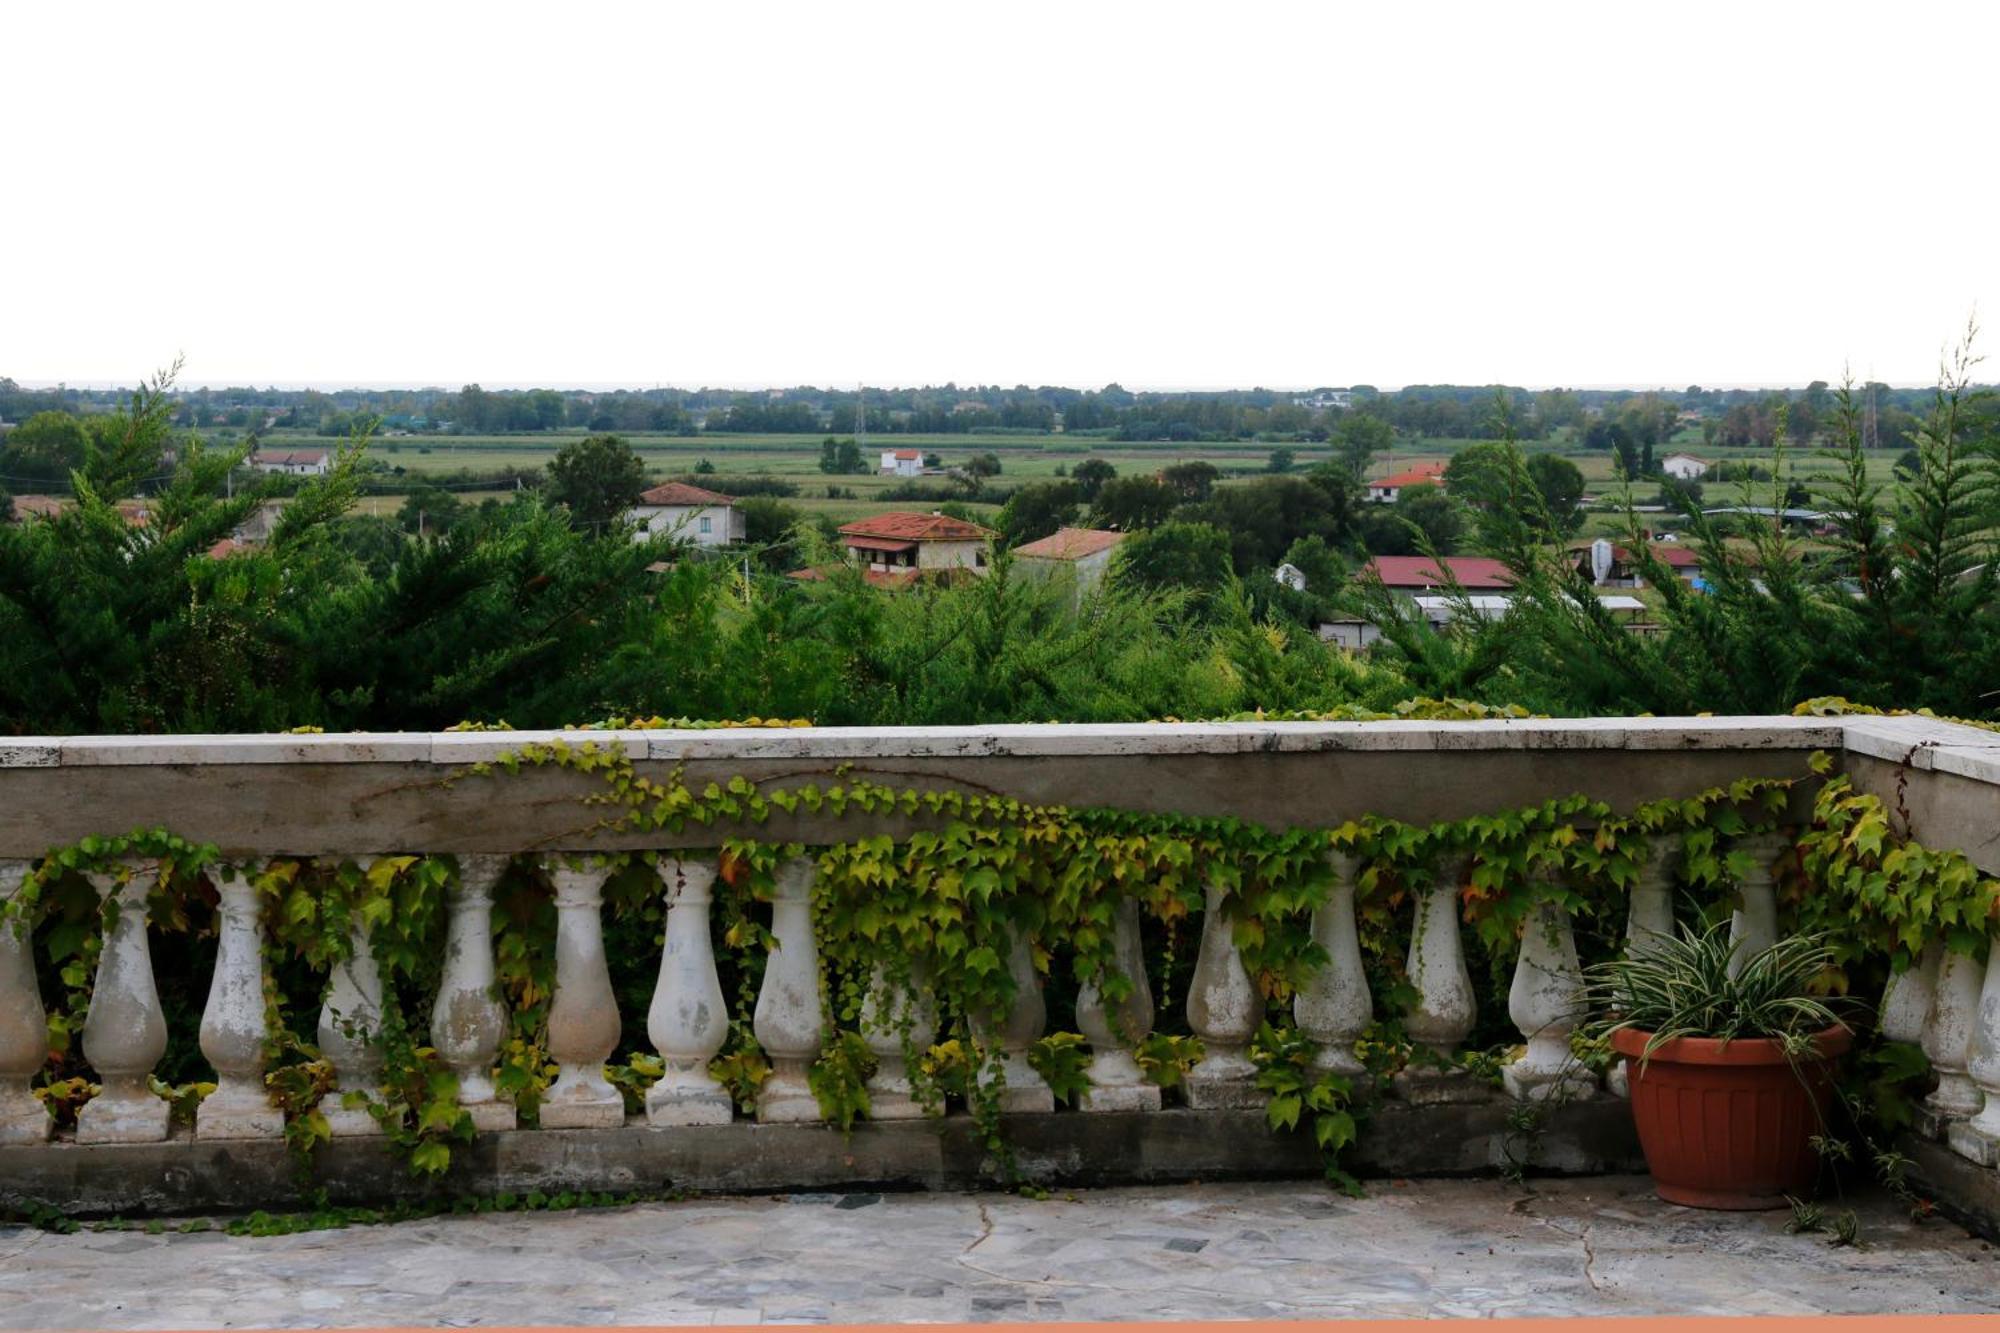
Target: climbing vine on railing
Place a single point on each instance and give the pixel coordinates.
(937, 909)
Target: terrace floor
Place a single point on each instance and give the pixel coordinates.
(1602, 1246)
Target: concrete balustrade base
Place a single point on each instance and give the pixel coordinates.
(1966, 1192)
(1142, 1097)
(185, 1174)
(1973, 1144)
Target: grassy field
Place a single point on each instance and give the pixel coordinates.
(1023, 458)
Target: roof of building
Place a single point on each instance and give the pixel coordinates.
(1416, 476)
(37, 506)
(288, 456)
(1474, 572)
(904, 453)
(227, 547)
(680, 493)
(917, 528)
(1671, 554)
(1070, 544)
(1692, 458)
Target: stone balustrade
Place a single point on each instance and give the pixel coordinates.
(326, 796)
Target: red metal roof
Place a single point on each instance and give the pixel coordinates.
(1475, 573)
(680, 493)
(1671, 554)
(1071, 544)
(917, 528)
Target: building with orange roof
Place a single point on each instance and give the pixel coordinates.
(1087, 551)
(688, 514)
(897, 542)
(1384, 490)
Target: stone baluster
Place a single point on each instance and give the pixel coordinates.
(1545, 1001)
(1979, 1137)
(1022, 1090)
(24, 1024)
(1948, 1043)
(583, 1017)
(232, 1024)
(1116, 1081)
(689, 1017)
(1906, 1000)
(1649, 919)
(1445, 1007)
(1333, 1007)
(1223, 1009)
(126, 1032)
(889, 1013)
(789, 1017)
(1753, 927)
(350, 1023)
(468, 1020)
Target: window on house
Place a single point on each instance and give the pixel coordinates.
(705, 523)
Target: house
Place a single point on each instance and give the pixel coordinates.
(1685, 466)
(902, 462)
(1612, 566)
(36, 506)
(1420, 574)
(1086, 550)
(688, 514)
(1384, 490)
(296, 462)
(906, 543)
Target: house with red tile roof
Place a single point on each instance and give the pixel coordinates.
(895, 542)
(1384, 490)
(903, 462)
(688, 514)
(293, 462)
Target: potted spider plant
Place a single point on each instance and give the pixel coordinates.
(1730, 1060)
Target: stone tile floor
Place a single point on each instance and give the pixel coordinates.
(1598, 1246)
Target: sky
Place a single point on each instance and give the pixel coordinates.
(1162, 195)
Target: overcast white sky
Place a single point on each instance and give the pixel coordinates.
(1160, 194)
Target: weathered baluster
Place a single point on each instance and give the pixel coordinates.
(1649, 920)
(232, 1024)
(889, 1014)
(583, 1017)
(1906, 1000)
(350, 1024)
(789, 1017)
(1334, 1007)
(1445, 1006)
(1948, 1043)
(1979, 1137)
(126, 1032)
(1223, 1008)
(1544, 1001)
(689, 1017)
(1022, 1090)
(1753, 927)
(1116, 1081)
(24, 1024)
(468, 1020)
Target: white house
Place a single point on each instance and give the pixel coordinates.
(295, 462)
(1384, 490)
(1085, 550)
(1685, 466)
(687, 513)
(903, 462)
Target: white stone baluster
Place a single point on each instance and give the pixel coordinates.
(1022, 1090)
(1906, 1000)
(1649, 920)
(1224, 1009)
(887, 1011)
(689, 1017)
(1948, 1043)
(232, 1023)
(468, 1020)
(1446, 1006)
(1333, 1007)
(1117, 1083)
(24, 1024)
(789, 1016)
(125, 1034)
(1753, 927)
(350, 1023)
(583, 1017)
(1979, 1137)
(1545, 1002)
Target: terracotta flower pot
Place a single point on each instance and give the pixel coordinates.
(1730, 1124)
